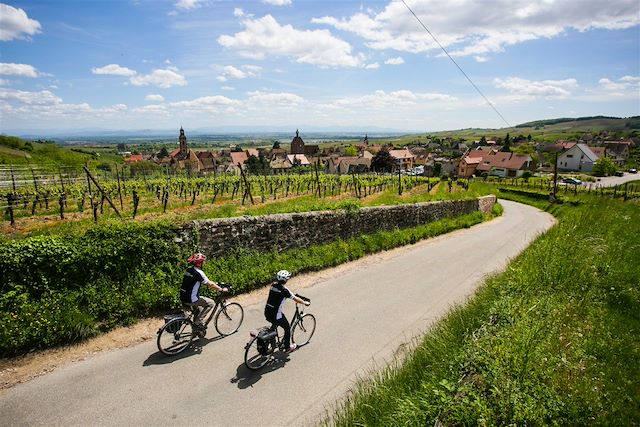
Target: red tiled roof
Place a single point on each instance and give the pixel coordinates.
(238, 157)
(134, 158)
(504, 160)
(401, 154)
(300, 157)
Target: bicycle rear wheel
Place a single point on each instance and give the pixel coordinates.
(175, 336)
(252, 357)
(229, 318)
(303, 329)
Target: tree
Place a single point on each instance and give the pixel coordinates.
(257, 165)
(483, 140)
(163, 153)
(506, 145)
(603, 167)
(122, 147)
(351, 151)
(276, 144)
(383, 162)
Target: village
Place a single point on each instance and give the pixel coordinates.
(507, 158)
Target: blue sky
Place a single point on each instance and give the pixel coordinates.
(361, 65)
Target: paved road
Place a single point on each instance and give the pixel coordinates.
(610, 181)
(366, 311)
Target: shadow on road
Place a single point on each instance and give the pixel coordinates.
(196, 347)
(246, 378)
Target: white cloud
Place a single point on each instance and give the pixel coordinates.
(114, 70)
(152, 110)
(231, 72)
(162, 78)
(207, 103)
(627, 86)
(23, 70)
(469, 27)
(265, 37)
(238, 13)
(154, 98)
(281, 99)
(372, 66)
(630, 79)
(45, 104)
(43, 97)
(394, 61)
(188, 4)
(277, 2)
(15, 24)
(380, 99)
(528, 89)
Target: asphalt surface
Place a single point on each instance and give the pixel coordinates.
(367, 311)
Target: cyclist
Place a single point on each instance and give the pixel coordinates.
(193, 278)
(278, 294)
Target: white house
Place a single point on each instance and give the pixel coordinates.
(577, 158)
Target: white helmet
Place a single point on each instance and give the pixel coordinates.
(283, 276)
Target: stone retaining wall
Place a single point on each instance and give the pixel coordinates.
(294, 230)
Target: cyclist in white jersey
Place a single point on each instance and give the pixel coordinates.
(192, 280)
(278, 294)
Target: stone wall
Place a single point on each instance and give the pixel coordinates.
(286, 231)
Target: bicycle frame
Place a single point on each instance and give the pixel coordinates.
(192, 308)
(278, 339)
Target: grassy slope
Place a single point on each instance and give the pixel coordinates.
(553, 340)
(544, 132)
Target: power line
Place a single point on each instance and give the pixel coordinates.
(456, 64)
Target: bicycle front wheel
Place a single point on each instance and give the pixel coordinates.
(303, 329)
(229, 318)
(175, 336)
(252, 357)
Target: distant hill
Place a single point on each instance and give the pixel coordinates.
(591, 123)
(553, 129)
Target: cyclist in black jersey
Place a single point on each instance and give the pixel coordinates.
(278, 294)
(193, 278)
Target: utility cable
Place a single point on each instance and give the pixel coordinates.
(456, 64)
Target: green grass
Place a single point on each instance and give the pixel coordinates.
(551, 341)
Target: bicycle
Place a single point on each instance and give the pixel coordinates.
(180, 329)
(265, 341)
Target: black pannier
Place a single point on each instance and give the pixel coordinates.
(264, 340)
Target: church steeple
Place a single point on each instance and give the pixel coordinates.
(183, 143)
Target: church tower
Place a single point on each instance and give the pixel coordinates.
(184, 150)
(297, 144)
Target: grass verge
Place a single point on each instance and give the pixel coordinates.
(551, 341)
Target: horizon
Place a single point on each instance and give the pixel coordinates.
(366, 66)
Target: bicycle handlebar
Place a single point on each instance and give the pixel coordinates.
(303, 298)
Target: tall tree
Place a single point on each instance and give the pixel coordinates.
(383, 162)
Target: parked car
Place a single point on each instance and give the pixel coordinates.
(570, 180)
(633, 170)
(618, 173)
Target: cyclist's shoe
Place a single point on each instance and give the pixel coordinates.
(292, 348)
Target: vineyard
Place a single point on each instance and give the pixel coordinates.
(28, 194)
